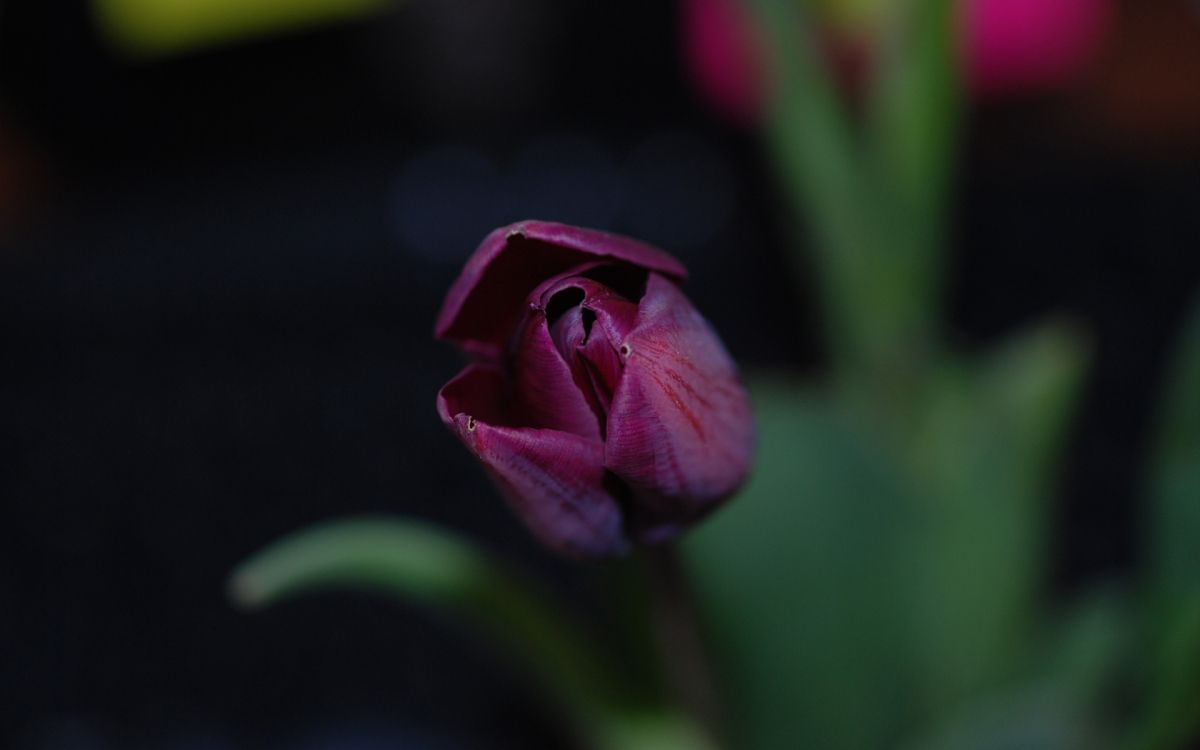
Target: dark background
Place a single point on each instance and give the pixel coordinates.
(218, 277)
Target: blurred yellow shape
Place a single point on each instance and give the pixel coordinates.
(160, 27)
(855, 16)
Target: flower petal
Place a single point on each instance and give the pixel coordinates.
(680, 430)
(488, 297)
(588, 334)
(553, 480)
(548, 394)
(603, 367)
(479, 391)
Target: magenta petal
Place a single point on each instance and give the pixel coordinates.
(615, 318)
(603, 367)
(488, 298)
(569, 332)
(553, 480)
(680, 429)
(588, 334)
(480, 391)
(614, 315)
(548, 394)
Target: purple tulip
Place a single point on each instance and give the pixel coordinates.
(601, 403)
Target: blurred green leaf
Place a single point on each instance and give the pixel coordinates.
(796, 579)
(1171, 708)
(1088, 650)
(912, 142)
(876, 205)
(983, 451)
(1033, 720)
(1057, 703)
(814, 147)
(807, 124)
(399, 556)
(430, 566)
(914, 117)
(866, 582)
(1175, 479)
(915, 93)
(1173, 696)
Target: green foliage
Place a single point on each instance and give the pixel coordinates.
(881, 578)
(434, 567)
(867, 582)
(1175, 483)
(981, 457)
(430, 566)
(1172, 708)
(875, 197)
(797, 578)
(1057, 701)
(814, 144)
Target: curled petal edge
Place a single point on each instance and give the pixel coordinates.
(486, 300)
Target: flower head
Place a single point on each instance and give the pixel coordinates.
(601, 403)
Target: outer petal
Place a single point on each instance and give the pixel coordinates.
(553, 480)
(488, 298)
(680, 430)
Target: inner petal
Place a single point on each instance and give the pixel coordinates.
(569, 329)
(549, 391)
(588, 323)
(571, 333)
(602, 365)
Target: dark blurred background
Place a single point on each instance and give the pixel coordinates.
(219, 268)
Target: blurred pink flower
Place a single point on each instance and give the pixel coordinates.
(1024, 45)
(1011, 46)
(722, 57)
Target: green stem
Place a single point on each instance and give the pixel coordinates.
(874, 196)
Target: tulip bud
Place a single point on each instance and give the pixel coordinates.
(602, 404)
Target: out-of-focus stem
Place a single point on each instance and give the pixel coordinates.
(686, 666)
(873, 193)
